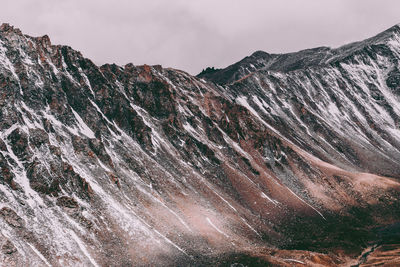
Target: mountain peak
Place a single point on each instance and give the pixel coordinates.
(260, 53)
(318, 56)
(7, 28)
(10, 30)
(44, 40)
(385, 35)
(395, 27)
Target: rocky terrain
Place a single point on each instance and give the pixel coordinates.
(277, 160)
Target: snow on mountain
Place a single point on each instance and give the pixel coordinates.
(144, 165)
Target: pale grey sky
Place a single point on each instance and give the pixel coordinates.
(193, 34)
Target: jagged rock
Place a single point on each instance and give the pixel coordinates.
(67, 202)
(7, 28)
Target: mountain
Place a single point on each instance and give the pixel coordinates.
(320, 56)
(276, 160)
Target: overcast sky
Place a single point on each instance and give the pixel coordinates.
(193, 34)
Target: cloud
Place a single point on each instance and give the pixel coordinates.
(191, 35)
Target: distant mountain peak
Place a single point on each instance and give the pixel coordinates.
(285, 62)
(260, 53)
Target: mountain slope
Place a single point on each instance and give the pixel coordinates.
(142, 165)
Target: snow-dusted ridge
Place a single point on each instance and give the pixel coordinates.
(141, 165)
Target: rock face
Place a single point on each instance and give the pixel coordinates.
(275, 160)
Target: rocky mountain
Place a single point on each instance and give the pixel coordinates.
(282, 160)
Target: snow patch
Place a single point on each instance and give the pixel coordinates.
(84, 129)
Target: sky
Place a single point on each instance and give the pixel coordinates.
(193, 34)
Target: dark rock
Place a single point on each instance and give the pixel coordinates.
(11, 218)
(67, 202)
(8, 248)
(3, 146)
(6, 175)
(393, 80)
(41, 180)
(19, 144)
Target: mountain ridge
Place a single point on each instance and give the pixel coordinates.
(285, 62)
(137, 165)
